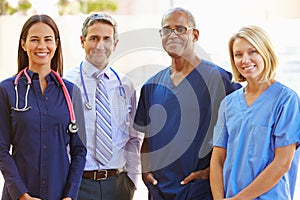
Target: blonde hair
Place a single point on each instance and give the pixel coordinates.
(261, 42)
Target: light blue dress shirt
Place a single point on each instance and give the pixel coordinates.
(126, 141)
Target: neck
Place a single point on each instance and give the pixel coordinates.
(185, 65)
(258, 87)
(99, 65)
(43, 71)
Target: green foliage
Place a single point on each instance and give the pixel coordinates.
(100, 5)
(24, 5)
(10, 10)
(64, 6)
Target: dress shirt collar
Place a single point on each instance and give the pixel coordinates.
(91, 71)
(49, 77)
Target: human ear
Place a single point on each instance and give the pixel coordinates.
(82, 41)
(115, 44)
(195, 34)
(23, 44)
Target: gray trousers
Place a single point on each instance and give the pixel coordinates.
(119, 187)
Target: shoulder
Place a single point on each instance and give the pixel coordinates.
(72, 74)
(8, 83)
(71, 87)
(217, 77)
(159, 76)
(7, 88)
(231, 100)
(286, 89)
(8, 80)
(234, 95)
(121, 76)
(286, 93)
(213, 69)
(68, 83)
(123, 79)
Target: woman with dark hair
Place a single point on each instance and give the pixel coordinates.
(41, 153)
(57, 59)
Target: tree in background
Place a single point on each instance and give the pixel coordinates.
(98, 5)
(22, 6)
(64, 7)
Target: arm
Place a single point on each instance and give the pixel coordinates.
(147, 175)
(200, 174)
(270, 176)
(216, 172)
(203, 173)
(26, 196)
(78, 158)
(77, 149)
(141, 122)
(133, 146)
(287, 133)
(8, 167)
(133, 160)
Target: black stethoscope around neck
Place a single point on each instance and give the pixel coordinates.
(87, 103)
(72, 127)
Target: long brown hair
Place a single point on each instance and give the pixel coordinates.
(57, 60)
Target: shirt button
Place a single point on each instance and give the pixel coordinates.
(46, 98)
(44, 146)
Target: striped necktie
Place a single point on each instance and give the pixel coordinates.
(103, 123)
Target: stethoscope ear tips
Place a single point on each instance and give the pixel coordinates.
(73, 128)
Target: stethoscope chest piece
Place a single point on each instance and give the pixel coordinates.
(88, 106)
(73, 128)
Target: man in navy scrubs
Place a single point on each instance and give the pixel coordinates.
(177, 111)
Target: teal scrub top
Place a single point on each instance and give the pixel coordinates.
(250, 135)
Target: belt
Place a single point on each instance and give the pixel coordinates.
(98, 175)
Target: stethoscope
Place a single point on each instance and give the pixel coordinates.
(122, 92)
(87, 101)
(72, 127)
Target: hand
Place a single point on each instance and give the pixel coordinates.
(148, 177)
(201, 174)
(26, 196)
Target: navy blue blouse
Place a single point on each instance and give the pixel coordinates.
(37, 154)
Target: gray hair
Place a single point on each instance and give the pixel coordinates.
(191, 19)
(99, 17)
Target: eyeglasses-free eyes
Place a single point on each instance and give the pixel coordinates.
(179, 30)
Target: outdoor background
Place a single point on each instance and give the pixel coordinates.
(139, 53)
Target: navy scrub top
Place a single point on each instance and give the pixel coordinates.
(178, 122)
